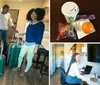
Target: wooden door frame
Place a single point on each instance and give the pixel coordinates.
(17, 17)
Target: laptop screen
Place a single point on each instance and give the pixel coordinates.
(88, 69)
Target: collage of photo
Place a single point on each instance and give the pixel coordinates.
(49, 42)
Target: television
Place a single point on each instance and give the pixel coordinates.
(93, 52)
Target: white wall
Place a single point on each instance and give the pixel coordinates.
(96, 67)
(59, 48)
(52, 58)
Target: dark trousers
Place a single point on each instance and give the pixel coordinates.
(4, 38)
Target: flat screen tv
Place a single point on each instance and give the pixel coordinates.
(93, 51)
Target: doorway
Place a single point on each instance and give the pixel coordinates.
(14, 15)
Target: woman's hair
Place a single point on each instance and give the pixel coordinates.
(39, 11)
(28, 16)
(73, 59)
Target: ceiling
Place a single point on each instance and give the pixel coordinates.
(22, 0)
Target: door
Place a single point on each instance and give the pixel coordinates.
(14, 15)
(62, 59)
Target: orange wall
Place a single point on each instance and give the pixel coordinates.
(79, 48)
(59, 49)
(1, 3)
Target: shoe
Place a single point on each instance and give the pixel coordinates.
(16, 69)
(23, 74)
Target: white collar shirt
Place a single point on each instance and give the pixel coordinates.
(74, 71)
(5, 19)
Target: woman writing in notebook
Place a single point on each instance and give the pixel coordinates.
(73, 74)
(34, 34)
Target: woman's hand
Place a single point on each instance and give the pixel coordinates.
(94, 79)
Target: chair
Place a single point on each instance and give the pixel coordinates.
(42, 56)
(62, 77)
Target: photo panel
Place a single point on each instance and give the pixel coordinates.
(74, 21)
(73, 63)
(24, 42)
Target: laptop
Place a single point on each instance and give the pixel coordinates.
(87, 69)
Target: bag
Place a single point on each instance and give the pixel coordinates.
(66, 31)
(90, 17)
(2, 62)
(13, 52)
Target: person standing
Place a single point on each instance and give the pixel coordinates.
(34, 35)
(5, 19)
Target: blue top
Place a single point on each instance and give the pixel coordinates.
(34, 32)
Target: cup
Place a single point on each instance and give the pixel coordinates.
(70, 11)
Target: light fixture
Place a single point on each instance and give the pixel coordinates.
(20, 0)
(84, 50)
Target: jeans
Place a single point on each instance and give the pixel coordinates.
(72, 80)
(4, 37)
(30, 53)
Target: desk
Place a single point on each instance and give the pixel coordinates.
(90, 82)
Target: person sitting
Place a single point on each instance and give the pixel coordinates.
(73, 73)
